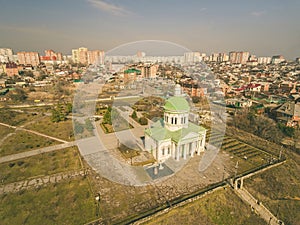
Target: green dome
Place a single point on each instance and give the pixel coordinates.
(177, 104)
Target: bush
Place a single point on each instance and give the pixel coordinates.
(288, 131)
(20, 163)
(133, 115)
(143, 121)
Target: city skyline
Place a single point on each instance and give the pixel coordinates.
(262, 28)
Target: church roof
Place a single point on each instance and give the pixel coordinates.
(177, 103)
(159, 132)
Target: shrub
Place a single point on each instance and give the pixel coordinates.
(133, 115)
(20, 163)
(143, 121)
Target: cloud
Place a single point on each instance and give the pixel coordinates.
(203, 9)
(258, 13)
(109, 7)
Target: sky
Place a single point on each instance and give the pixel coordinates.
(264, 28)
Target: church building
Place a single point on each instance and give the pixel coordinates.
(174, 136)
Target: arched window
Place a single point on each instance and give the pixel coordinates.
(175, 120)
(172, 120)
(163, 151)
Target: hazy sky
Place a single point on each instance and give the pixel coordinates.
(263, 27)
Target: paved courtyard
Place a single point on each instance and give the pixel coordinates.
(101, 153)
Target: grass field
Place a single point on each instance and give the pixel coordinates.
(40, 165)
(17, 117)
(279, 189)
(62, 130)
(4, 131)
(221, 207)
(23, 141)
(68, 202)
(247, 156)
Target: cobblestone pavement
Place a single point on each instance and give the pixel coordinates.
(40, 181)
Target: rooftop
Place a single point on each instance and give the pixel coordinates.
(159, 132)
(177, 103)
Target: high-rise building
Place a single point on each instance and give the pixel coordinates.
(80, 55)
(75, 55)
(219, 57)
(52, 55)
(243, 57)
(148, 70)
(95, 57)
(214, 57)
(28, 58)
(223, 57)
(84, 56)
(277, 59)
(192, 57)
(239, 57)
(6, 55)
(264, 60)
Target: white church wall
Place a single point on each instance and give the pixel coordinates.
(166, 148)
(150, 144)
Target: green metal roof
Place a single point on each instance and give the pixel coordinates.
(132, 71)
(159, 132)
(177, 104)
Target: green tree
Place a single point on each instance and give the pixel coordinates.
(288, 131)
(58, 114)
(18, 95)
(55, 117)
(134, 115)
(69, 108)
(107, 116)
